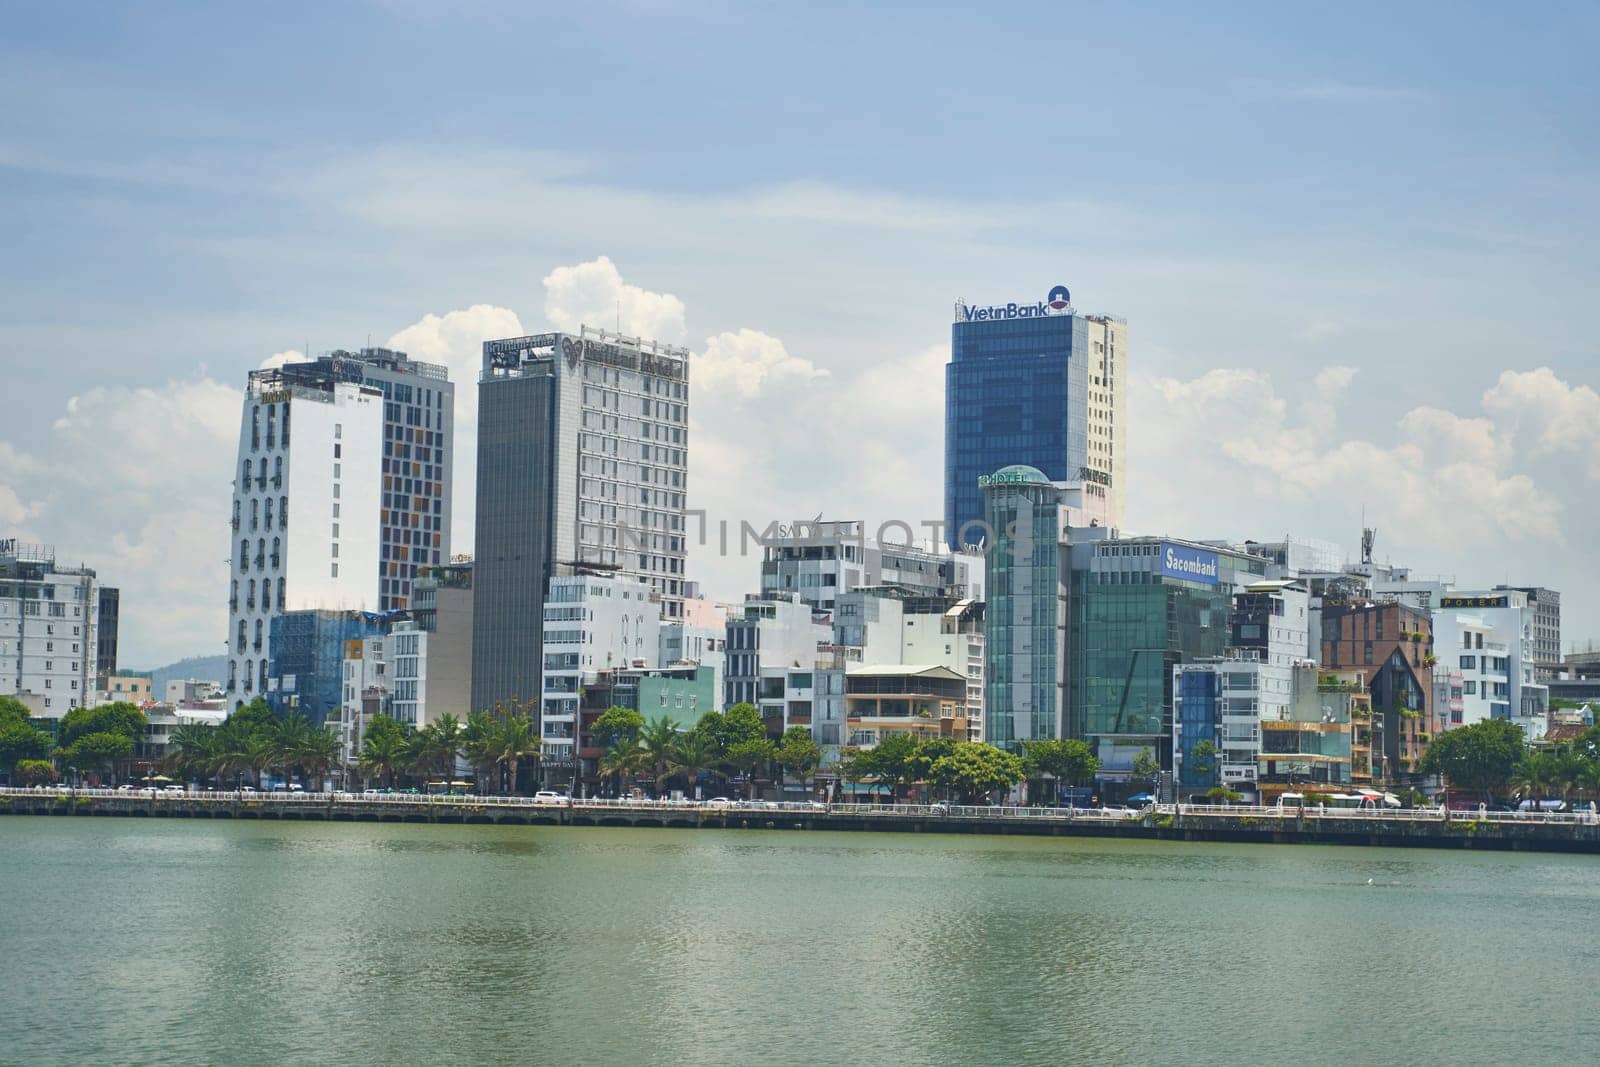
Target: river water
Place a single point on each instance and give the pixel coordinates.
(127, 941)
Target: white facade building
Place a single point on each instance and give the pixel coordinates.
(364, 692)
(819, 561)
(700, 637)
(769, 634)
(306, 506)
(1489, 639)
(592, 621)
(342, 491)
(47, 629)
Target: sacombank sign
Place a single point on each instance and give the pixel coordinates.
(1189, 564)
(1058, 302)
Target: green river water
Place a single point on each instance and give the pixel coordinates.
(126, 941)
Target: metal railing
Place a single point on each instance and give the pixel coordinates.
(810, 807)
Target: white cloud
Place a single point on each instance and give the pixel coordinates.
(1219, 455)
(746, 362)
(1549, 414)
(134, 482)
(278, 359)
(594, 294)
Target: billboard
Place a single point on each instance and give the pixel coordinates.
(1189, 564)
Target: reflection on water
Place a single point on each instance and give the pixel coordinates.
(310, 942)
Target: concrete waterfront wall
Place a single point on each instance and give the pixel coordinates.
(1421, 831)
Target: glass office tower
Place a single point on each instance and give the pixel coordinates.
(1038, 385)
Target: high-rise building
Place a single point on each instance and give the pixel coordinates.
(582, 459)
(1546, 604)
(308, 659)
(106, 630)
(1028, 578)
(1034, 384)
(48, 613)
(355, 449)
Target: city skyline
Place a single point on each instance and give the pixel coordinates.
(1343, 306)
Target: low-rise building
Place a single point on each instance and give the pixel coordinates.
(924, 700)
(1490, 638)
(820, 561)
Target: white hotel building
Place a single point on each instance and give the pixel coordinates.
(48, 615)
(593, 621)
(341, 491)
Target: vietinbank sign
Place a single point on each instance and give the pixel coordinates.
(1189, 564)
(1058, 302)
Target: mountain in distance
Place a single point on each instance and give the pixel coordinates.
(209, 668)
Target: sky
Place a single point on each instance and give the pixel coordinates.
(1354, 246)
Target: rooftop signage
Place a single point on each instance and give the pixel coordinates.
(1189, 564)
(1475, 602)
(1057, 302)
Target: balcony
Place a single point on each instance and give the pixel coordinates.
(277, 561)
(261, 562)
(235, 523)
(256, 645)
(241, 646)
(250, 603)
(233, 603)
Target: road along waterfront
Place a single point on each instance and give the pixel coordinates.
(1430, 828)
(158, 940)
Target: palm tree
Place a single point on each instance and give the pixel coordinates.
(623, 759)
(658, 739)
(382, 754)
(319, 751)
(1587, 778)
(515, 741)
(449, 735)
(258, 754)
(192, 751)
(289, 737)
(477, 742)
(694, 753)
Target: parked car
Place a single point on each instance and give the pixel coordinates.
(719, 802)
(173, 789)
(547, 796)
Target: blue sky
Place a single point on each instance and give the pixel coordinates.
(1404, 194)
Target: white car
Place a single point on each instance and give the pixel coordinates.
(719, 802)
(546, 796)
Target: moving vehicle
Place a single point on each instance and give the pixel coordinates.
(719, 802)
(550, 797)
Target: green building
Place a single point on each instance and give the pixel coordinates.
(1139, 607)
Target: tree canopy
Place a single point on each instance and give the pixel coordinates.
(1068, 760)
(1480, 758)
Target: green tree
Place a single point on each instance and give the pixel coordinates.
(798, 753)
(1480, 758)
(617, 724)
(1203, 759)
(974, 769)
(658, 739)
(693, 753)
(33, 772)
(1066, 760)
(289, 737)
(741, 724)
(317, 756)
(20, 741)
(121, 718)
(514, 742)
(449, 735)
(383, 752)
(1145, 767)
(96, 752)
(624, 759)
(1223, 795)
(746, 757)
(477, 743)
(893, 761)
(12, 711)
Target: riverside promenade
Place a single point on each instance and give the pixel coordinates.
(1422, 828)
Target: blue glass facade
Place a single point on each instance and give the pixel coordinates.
(1015, 392)
(1198, 716)
(308, 658)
